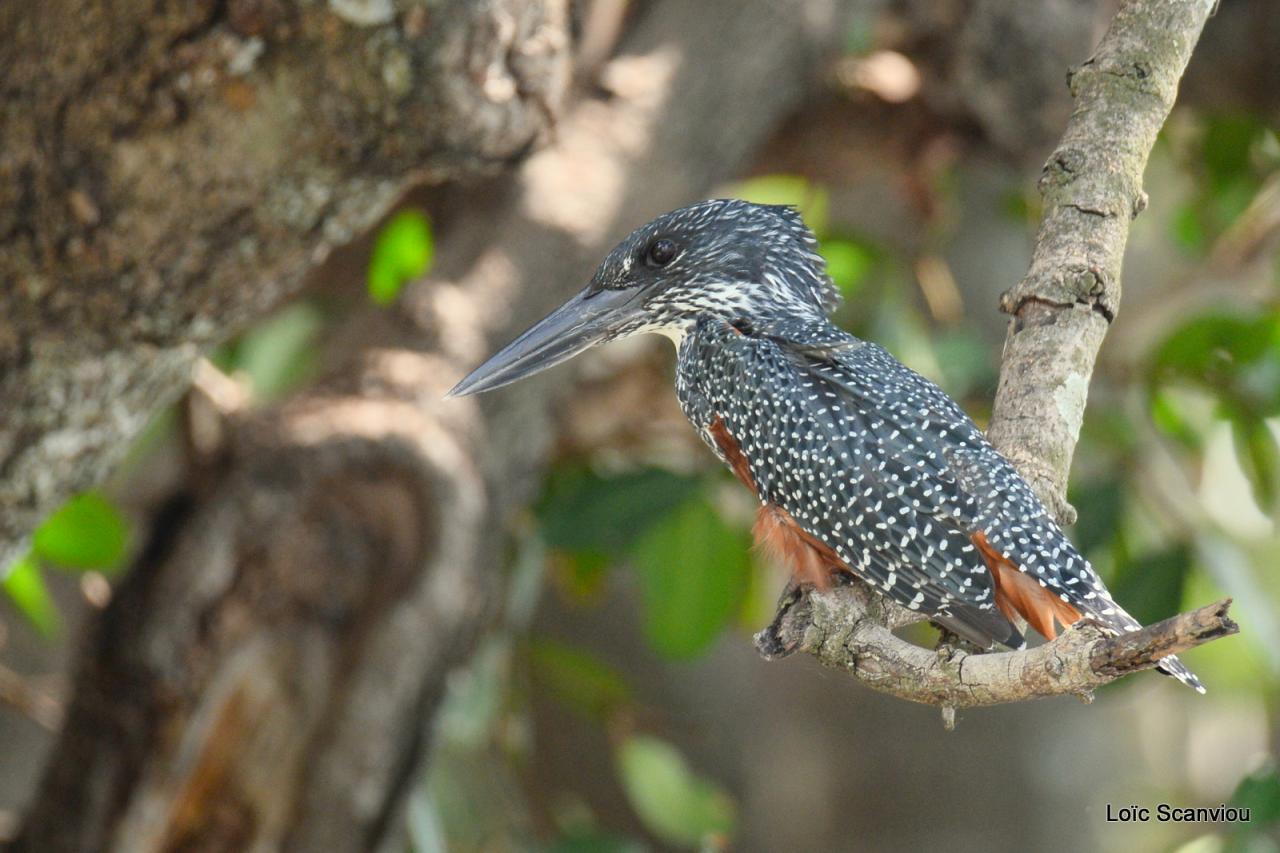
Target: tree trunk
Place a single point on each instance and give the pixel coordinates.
(266, 676)
(170, 171)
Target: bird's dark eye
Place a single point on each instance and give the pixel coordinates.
(660, 253)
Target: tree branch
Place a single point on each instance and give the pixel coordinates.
(1092, 189)
(848, 629)
(169, 174)
(1061, 309)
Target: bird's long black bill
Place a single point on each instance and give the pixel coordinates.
(573, 327)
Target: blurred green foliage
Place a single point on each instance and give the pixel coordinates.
(691, 564)
(693, 570)
(26, 589)
(467, 803)
(402, 252)
(1230, 156)
(675, 804)
(584, 511)
(1099, 504)
(592, 521)
(1235, 358)
(87, 533)
(579, 679)
(276, 355)
(848, 263)
(1151, 584)
(1260, 793)
(812, 200)
(595, 842)
(849, 259)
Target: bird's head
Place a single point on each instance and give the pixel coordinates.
(723, 258)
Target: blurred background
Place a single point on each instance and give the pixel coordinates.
(614, 700)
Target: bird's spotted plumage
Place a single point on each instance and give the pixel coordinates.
(859, 463)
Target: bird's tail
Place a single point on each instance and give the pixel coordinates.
(1175, 668)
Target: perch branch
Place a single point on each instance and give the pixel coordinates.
(1060, 312)
(845, 629)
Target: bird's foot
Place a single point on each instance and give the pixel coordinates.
(950, 644)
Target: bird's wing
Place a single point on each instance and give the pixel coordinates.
(852, 464)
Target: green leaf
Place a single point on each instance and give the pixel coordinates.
(1168, 416)
(86, 532)
(579, 679)
(402, 252)
(1260, 793)
(1234, 159)
(674, 804)
(26, 589)
(694, 570)
(1234, 357)
(847, 263)
(584, 512)
(1257, 385)
(1210, 341)
(1233, 198)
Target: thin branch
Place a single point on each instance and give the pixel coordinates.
(1117, 656)
(845, 629)
(1061, 309)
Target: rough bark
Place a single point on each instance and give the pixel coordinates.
(848, 628)
(169, 171)
(265, 678)
(1092, 188)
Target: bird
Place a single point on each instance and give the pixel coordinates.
(860, 465)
